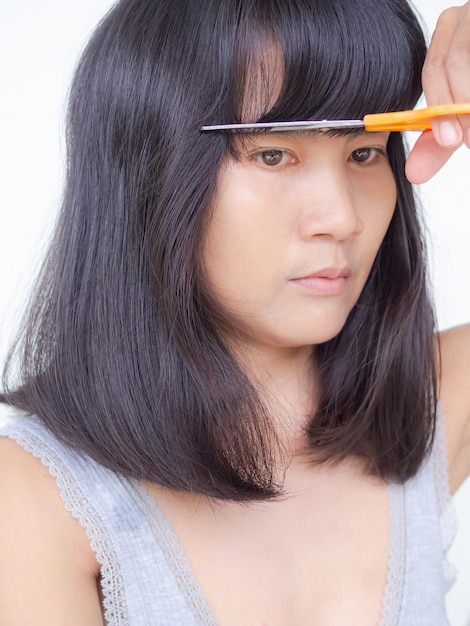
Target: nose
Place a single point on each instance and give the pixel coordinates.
(329, 207)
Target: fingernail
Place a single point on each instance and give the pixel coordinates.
(448, 134)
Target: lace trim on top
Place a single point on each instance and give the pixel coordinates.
(176, 557)
(75, 501)
(393, 594)
(445, 503)
(114, 605)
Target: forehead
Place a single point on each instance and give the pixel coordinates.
(309, 134)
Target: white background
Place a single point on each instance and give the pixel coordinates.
(40, 41)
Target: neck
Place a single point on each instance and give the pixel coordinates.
(286, 382)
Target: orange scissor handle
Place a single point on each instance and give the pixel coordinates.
(418, 119)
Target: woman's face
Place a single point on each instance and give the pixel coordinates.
(297, 222)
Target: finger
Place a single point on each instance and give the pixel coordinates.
(434, 76)
(448, 132)
(426, 158)
(458, 57)
(446, 73)
(458, 66)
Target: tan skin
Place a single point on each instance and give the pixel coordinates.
(333, 523)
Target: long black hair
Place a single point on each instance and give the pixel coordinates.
(120, 356)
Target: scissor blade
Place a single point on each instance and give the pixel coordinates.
(269, 127)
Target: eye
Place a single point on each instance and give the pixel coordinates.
(271, 158)
(366, 155)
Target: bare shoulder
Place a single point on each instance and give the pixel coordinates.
(454, 395)
(47, 570)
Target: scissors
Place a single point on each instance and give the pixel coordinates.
(417, 119)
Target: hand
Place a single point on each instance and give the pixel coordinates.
(446, 79)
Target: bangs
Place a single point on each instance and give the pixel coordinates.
(326, 59)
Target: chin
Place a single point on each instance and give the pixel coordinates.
(319, 332)
(297, 332)
(308, 338)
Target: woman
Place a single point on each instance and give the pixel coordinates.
(232, 333)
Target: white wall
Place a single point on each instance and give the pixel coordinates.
(40, 42)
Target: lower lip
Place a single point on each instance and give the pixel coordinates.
(322, 286)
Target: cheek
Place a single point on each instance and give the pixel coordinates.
(381, 206)
(235, 245)
(243, 244)
(390, 194)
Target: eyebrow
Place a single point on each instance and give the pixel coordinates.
(247, 138)
(329, 132)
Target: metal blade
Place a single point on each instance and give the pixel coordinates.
(286, 126)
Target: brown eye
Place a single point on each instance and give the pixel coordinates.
(270, 157)
(362, 155)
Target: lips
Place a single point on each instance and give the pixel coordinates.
(328, 281)
(331, 272)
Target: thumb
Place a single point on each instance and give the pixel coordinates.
(426, 158)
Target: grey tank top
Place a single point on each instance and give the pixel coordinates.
(147, 580)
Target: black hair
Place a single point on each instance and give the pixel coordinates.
(121, 357)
